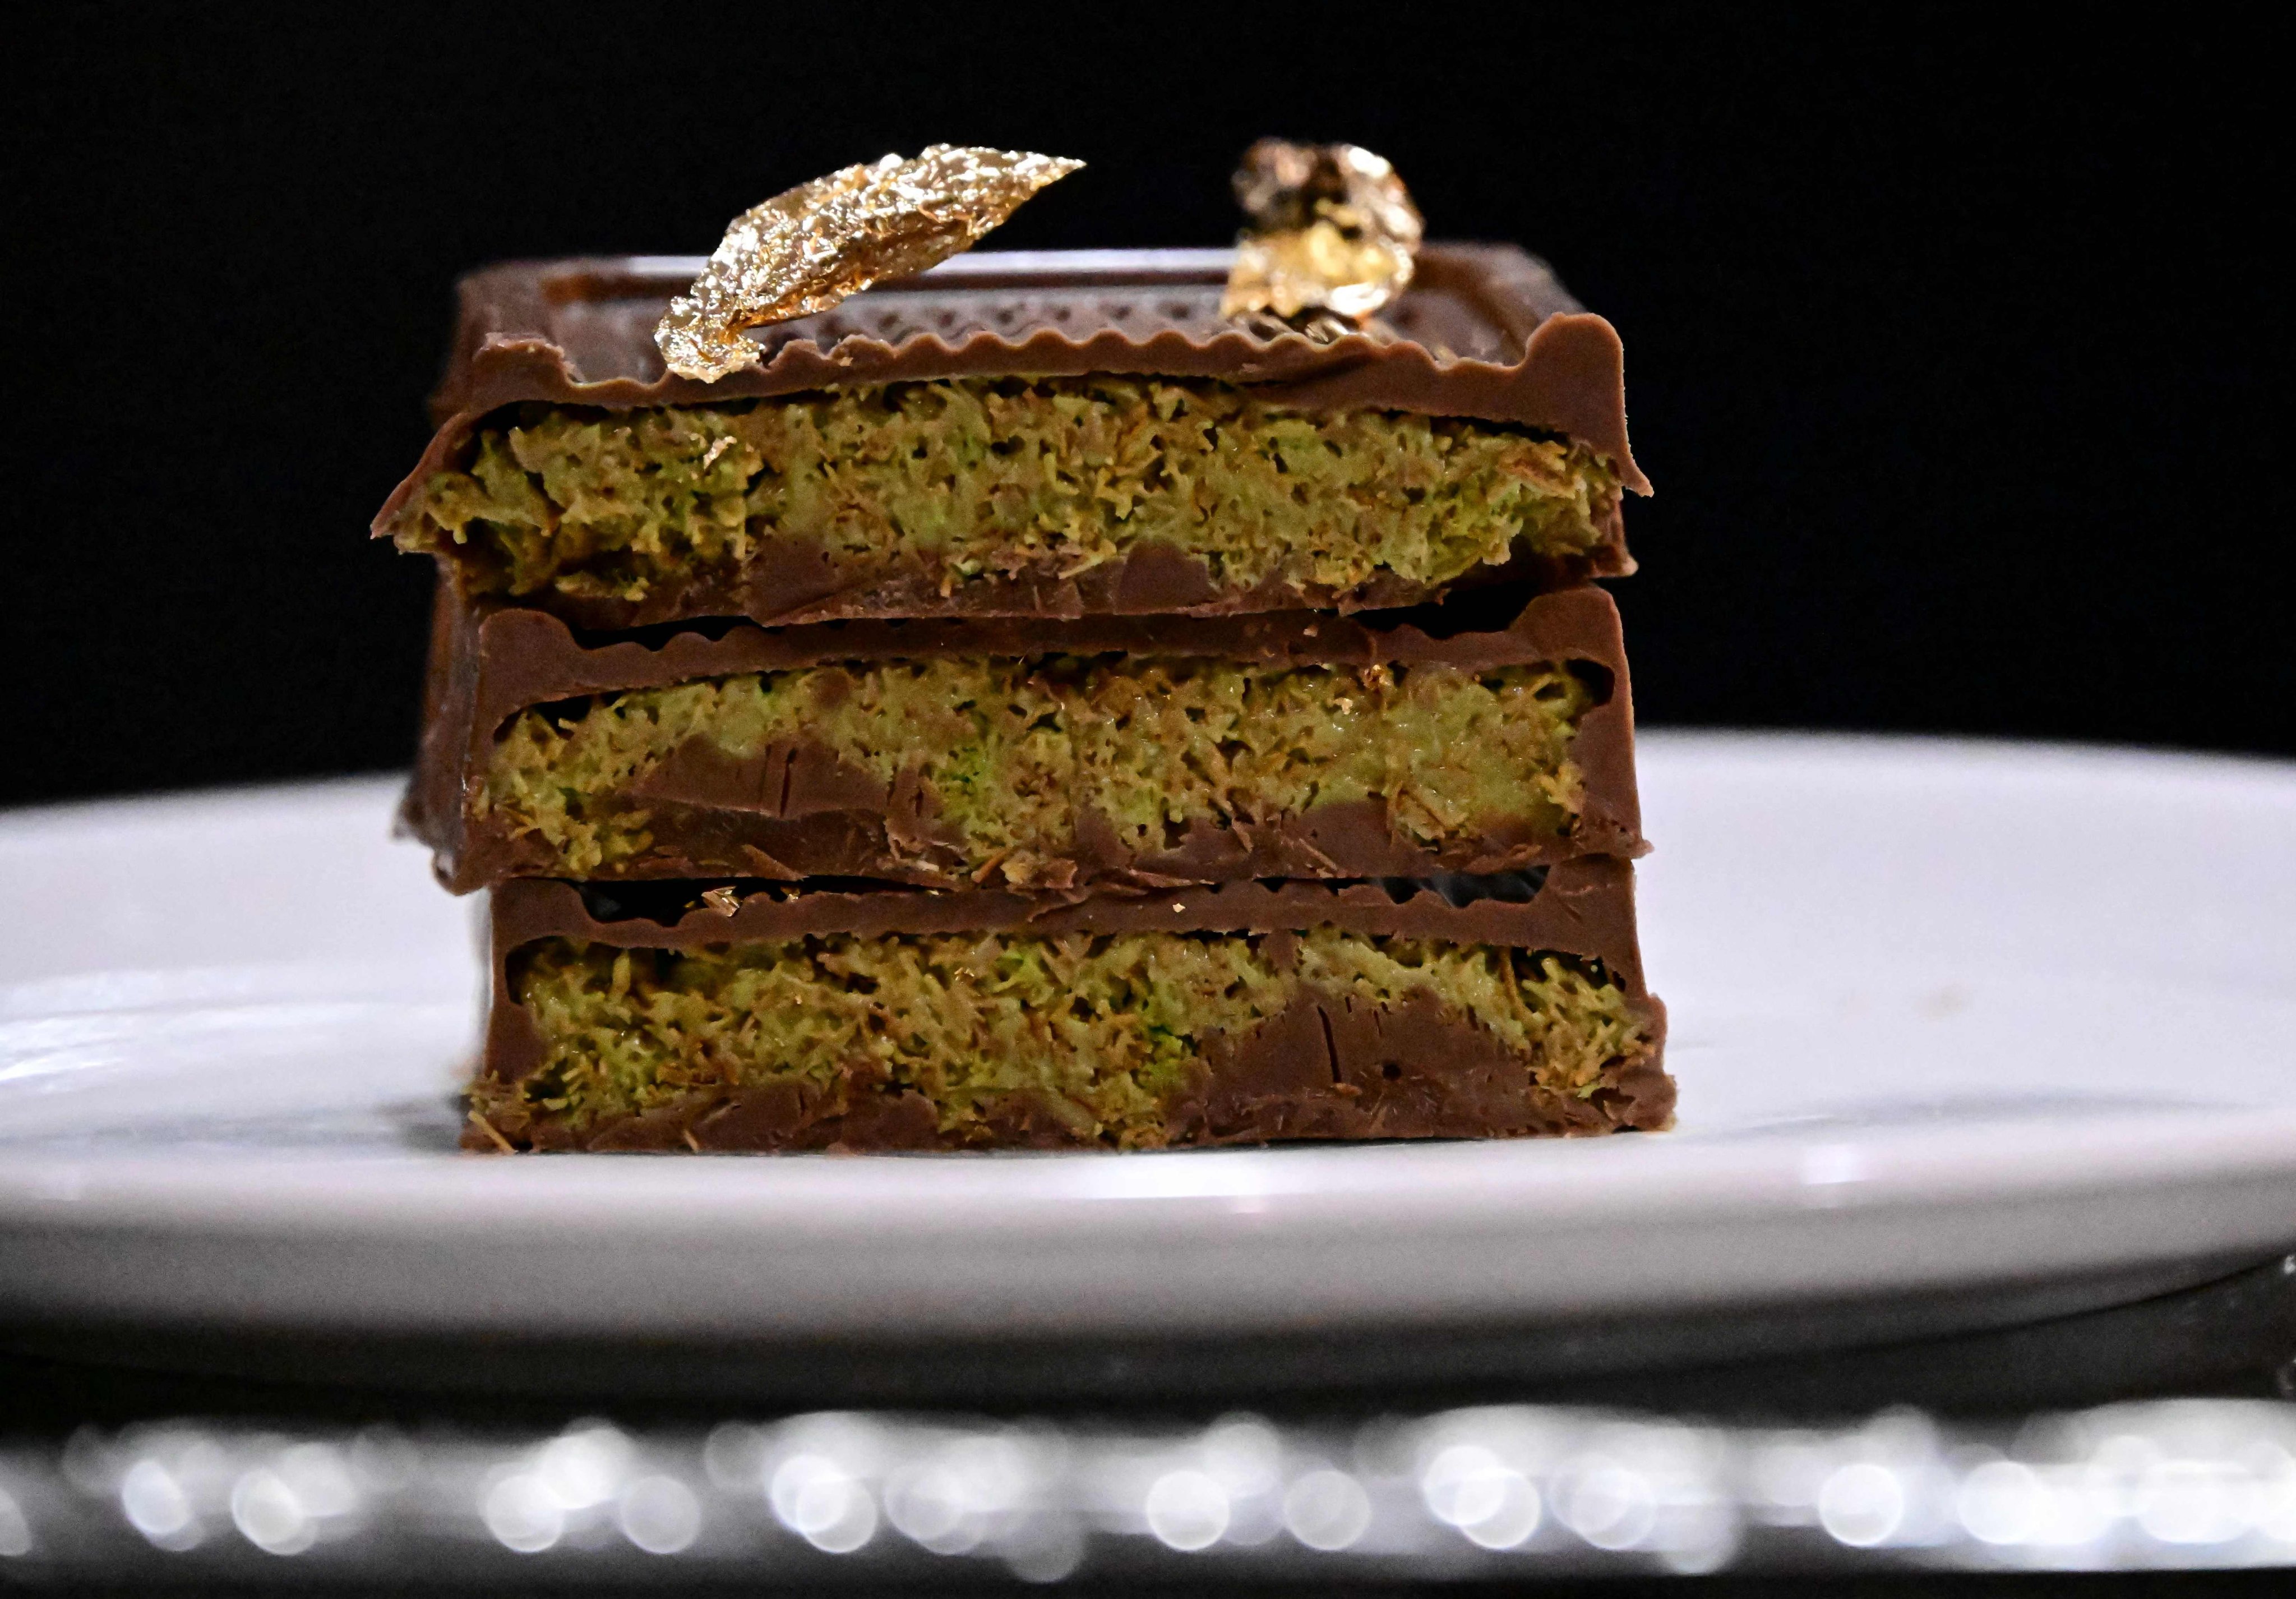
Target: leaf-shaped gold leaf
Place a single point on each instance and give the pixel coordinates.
(804, 251)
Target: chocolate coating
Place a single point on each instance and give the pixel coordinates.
(1329, 1067)
(1485, 332)
(793, 811)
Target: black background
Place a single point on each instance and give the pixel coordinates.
(1957, 354)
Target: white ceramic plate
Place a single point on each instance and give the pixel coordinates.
(1946, 1014)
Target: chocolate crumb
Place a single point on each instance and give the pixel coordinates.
(487, 1127)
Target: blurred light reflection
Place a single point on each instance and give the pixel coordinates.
(1462, 1492)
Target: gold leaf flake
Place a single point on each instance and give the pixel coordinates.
(1331, 235)
(724, 901)
(804, 251)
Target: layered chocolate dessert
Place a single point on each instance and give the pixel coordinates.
(820, 1017)
(1037, 701)
(1125, 753)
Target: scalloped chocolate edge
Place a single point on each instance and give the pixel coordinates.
(1583, 908)
(579, 331)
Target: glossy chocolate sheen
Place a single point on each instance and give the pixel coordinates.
(1485, 332)
(1329, 1067)
(793, 811)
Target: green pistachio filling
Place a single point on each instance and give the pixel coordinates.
(975, 478)
(1011, 752)
(1101, 1030)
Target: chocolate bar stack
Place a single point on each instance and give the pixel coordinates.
(1030, 709)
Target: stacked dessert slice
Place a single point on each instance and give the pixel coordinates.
(1029, 709)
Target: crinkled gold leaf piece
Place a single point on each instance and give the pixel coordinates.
(1332, 231)
(804, 251)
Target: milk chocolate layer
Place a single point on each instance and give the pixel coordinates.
(1329, 1066)
(1485, 333)
(792, 812)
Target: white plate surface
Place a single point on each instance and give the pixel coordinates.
(1944, 1014)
